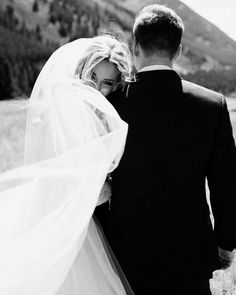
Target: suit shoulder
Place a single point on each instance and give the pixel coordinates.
(202, 94)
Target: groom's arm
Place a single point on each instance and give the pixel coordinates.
(222, 182)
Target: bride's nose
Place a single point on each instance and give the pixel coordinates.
(104, 91)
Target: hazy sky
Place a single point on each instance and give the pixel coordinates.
(220, 12)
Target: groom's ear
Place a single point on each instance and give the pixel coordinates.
(178, 53)
(136, 48)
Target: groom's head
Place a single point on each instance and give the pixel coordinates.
(158, 32)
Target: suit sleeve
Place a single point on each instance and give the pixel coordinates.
(221, 177)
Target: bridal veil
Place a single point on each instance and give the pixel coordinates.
(49, 245)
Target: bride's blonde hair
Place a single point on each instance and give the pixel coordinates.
(105, 47)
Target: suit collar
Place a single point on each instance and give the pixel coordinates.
(154, 68)
(157, 74)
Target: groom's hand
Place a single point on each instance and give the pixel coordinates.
(226, 258)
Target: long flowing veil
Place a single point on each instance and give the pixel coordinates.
(74, 137)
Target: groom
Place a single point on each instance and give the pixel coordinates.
(179, 136)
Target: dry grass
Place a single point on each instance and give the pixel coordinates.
(12, 122)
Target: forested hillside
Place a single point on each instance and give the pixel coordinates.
(25, 46)
(30, 30)
(22, 54)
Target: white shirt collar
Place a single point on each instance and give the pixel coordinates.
(154, 68)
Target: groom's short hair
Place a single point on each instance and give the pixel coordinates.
(158, 28)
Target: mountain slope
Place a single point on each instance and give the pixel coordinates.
(207, 51)
(201, 38)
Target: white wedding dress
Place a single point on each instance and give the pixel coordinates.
(49, 244)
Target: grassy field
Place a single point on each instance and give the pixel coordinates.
(12, 125)
(12, 122)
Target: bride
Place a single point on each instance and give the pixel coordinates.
(49, 243)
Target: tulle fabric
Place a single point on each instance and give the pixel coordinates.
(49, 245)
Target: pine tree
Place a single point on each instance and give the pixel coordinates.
(5, 79)
(35, 7)
(38, 33)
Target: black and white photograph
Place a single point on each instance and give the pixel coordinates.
(117, 147)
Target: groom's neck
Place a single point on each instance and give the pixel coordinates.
(146, 62)
(143, 61)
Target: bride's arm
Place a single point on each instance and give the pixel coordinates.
(105, 193)
(226, 257)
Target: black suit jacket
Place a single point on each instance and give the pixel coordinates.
(158, 224)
